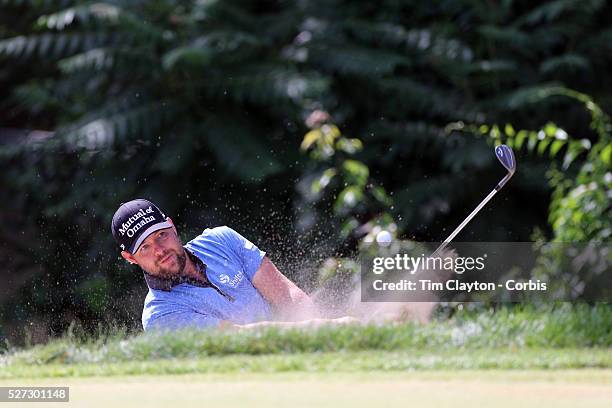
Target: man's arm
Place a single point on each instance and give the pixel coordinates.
(289, 301)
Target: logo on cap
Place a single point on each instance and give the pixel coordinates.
(134, 221)
(127, 227)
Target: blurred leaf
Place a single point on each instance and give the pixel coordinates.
(189, 56)
(356, 173)
(310, 138)
(606, 155)
(350, 146)
(348, 198)
(321, 182)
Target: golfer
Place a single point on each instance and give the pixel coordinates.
(218, 279)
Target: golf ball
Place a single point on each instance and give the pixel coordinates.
(384, 238)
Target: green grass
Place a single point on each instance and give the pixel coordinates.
(362, 361)
(510, 338)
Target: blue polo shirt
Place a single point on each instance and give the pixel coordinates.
(229, 262)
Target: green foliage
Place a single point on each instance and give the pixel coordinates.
(580, 205)
(356, 200)
(550, 140)
(580, 208)
(201, 106)
(176, 101)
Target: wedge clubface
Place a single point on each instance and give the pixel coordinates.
(506, 156)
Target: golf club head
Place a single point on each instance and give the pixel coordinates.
(506, 156)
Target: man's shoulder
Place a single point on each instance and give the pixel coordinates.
(225, 243)
(221, 234)
(215, 231)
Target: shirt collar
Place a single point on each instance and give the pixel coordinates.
(158, 283)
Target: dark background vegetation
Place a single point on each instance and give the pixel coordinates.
(202, 106)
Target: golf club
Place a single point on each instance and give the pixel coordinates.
(506, 156)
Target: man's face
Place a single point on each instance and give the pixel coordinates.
(161, 254)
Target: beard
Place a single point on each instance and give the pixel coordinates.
(173, 270)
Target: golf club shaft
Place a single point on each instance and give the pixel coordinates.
(505, 155)
(464, 223)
